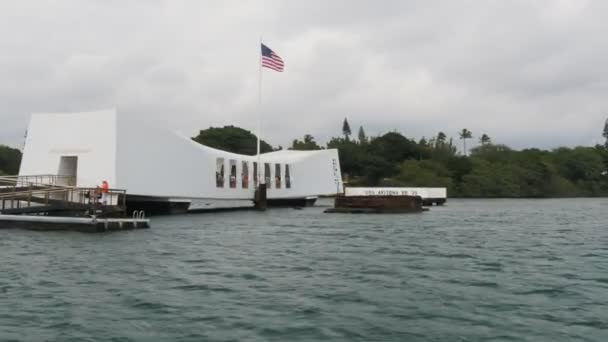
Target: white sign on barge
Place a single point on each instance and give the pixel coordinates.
(430, 196)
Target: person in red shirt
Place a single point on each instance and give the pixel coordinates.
(105, 187)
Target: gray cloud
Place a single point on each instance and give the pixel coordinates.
(526, 73)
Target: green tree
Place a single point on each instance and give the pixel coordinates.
(362, 136)
(464, 135)
(424, 173)
(346, 129)
(307, 143)
(440, 139)
(488, 170)
(485, 139)
(493, 153)
(10, 159)
(393, 147)
(353, 157)
(232, 139)
(441, 150)
(605, 134)
(459, 167)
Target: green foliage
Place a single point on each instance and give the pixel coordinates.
(464, 135)
(362, 137)
(492, 153)
(306, 144)
(10, 159)
(441, 138)
(605, 133)
(423, 173)
(391, 159)
(346, 129)
(485, 139)
(393, 147)
(353, 157)
(459, 167)
(491, 170)
(440, 149)
(231, 139)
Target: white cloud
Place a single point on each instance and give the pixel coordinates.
(526, 73)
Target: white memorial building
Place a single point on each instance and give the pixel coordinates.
(165, 172)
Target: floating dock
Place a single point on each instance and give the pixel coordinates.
(376, 205)
(430, 196)
(45, 202)
(82, 224)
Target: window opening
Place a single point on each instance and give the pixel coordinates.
(267, 178)
(219, 173)
(245, 175)
(287, 176)
(255, 174)
(277, 176)
(232, 173)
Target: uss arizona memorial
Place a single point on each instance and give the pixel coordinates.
(163, 171)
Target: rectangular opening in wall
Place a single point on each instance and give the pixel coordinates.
(287, 176)
(232, 173)
(267, 176)
(219, 173)
(245, 175)
(277, 176)
(255, 174)
(68, 170)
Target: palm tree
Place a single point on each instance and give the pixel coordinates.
(441, 137)
(605, 134)
(485, 139)
(464, 135)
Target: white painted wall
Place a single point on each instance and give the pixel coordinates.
(90, 136)
(313, 173)
(147, 159)
(154, 161)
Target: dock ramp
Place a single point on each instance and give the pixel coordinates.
(49, 195)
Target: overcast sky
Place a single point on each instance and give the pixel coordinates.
(527, 73)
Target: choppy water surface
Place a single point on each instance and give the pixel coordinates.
(491, 270)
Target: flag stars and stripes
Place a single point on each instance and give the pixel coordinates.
(271, 60)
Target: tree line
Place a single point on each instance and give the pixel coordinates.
(485, 170)
(488, 169)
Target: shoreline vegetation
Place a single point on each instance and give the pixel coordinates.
(486, 170)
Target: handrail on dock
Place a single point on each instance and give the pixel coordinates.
(43, 189)
(46, 179)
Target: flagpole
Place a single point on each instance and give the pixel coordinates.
(259, 123)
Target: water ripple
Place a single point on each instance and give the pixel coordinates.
(497, 270)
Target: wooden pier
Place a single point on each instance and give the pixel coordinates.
(48, 195)
(49, 202)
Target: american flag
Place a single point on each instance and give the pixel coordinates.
(271, 60)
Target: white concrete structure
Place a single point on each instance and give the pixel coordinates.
(153, 163)
(429, 195)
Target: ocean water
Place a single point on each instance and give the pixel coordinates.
(474, 270)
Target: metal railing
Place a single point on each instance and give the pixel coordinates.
(37, 180)
(49, 190)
